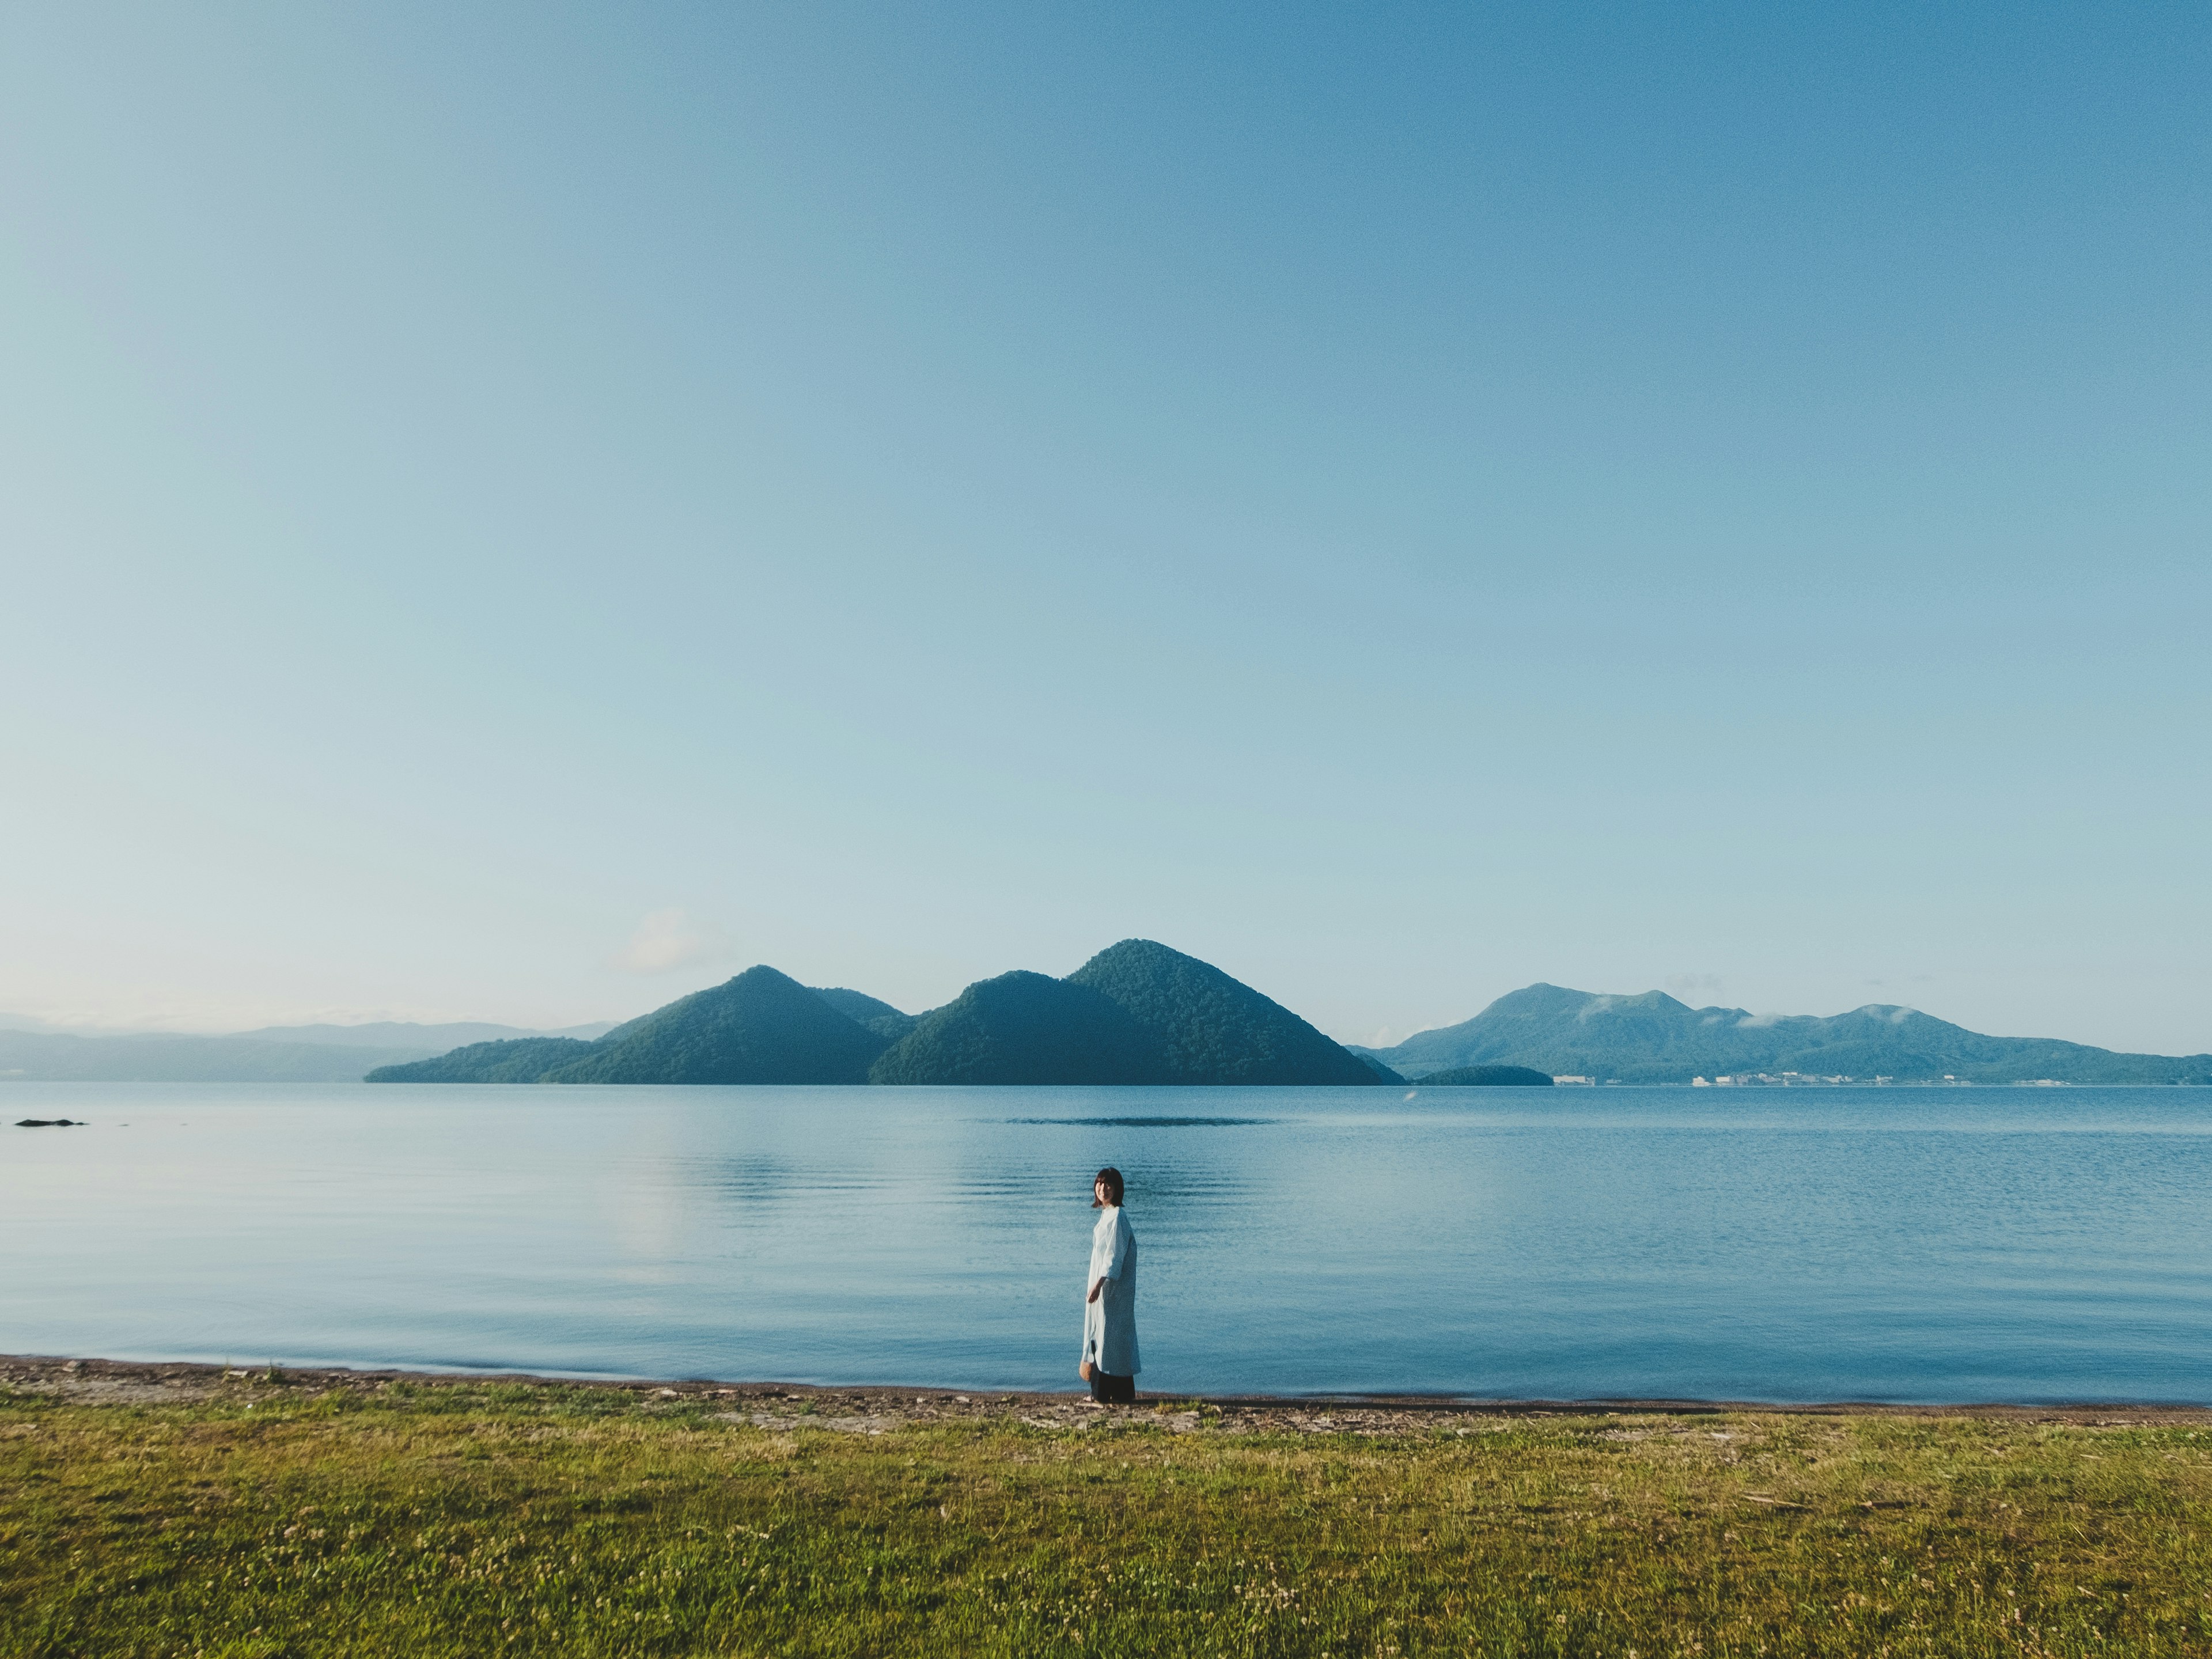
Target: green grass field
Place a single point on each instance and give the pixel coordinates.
(539, 1519)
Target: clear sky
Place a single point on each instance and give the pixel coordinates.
(517, 513)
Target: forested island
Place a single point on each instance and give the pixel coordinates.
(1137, 1013)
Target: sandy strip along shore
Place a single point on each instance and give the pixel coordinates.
(873, 1409)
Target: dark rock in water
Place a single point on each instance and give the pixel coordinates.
(47, 1123)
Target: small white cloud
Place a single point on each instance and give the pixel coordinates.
(1890, 1011)
(1594, 1005)
(668, 939)
(1757, 1021)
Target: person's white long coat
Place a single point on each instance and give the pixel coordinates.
(1109, 1324)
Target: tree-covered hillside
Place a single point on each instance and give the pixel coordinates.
(1488, 1077)
(1137, 1013)
(878, 1016)
(1024, 1028)
(760, 1027)
(1653, 1038)
(514, 1060)
(1211, 1028)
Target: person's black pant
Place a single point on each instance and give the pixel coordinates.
(1110, 1390)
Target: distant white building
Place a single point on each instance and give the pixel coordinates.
(1700, 1082)
(1571, 1079)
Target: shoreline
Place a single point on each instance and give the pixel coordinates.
(90, 1381)
(325, 1510)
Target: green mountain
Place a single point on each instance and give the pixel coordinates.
(1135, 1013)
(1652, 1038)
(1382, 1074)
(878, 1016)
(1024, 1028)
(761, 1027)
(1488, 1077)
(1212, 1029)
(511, 1059)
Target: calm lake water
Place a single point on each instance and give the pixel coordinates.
(1908, 1244)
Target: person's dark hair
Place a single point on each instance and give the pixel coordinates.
(1112, 1178)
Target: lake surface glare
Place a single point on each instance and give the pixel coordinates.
(1916, 1245)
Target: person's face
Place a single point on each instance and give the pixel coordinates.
(1103, 1194)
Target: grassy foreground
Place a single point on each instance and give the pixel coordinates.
(540, 1519)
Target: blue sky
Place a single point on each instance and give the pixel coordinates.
(517, 515)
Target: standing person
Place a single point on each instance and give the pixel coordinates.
(1109, 1311)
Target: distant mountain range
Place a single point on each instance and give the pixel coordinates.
(43, 1057)
(397, 1034)
(276, 1054)
(1652, 1038)
(1138, 1012)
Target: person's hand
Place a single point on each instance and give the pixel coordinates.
(1095, 1289)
